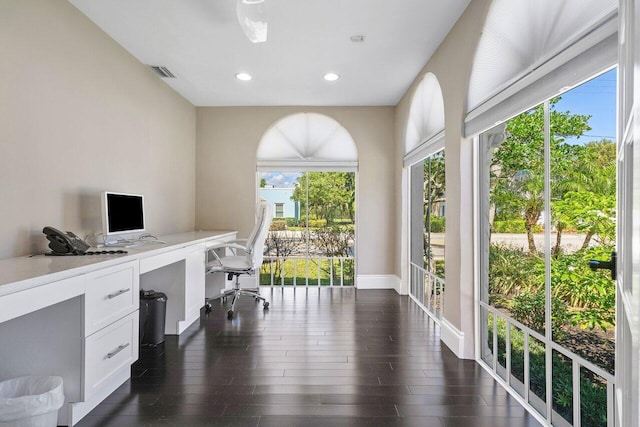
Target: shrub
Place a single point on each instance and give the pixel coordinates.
(592, 293)
(278, 225)
(291, 222)
(514, 271)
(510, 226)
(337, 241)
(437, 224)
(334, 241)
(280, 246)
(342, 221)
(529, 309)
(439, 268)
(317, 223)
(514, 226)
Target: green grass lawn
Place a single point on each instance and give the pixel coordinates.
(301, 269)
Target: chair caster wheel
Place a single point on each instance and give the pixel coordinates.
(207, 308)
(229, 314)
(265, 305)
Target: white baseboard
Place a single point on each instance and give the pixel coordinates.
(452, 337)
(378, 281)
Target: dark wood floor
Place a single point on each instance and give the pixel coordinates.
(321, 358)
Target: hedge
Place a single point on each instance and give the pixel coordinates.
(278, 225)
(437, 224)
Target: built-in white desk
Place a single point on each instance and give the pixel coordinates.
(77, 316)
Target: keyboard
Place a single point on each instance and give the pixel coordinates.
(137, 243)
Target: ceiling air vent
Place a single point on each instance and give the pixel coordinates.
(162, 71)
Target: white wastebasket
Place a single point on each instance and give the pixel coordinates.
(30, 401)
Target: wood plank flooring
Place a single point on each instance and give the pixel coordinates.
(318, 357)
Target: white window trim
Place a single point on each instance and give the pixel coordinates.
(424, 150)
(305, 166)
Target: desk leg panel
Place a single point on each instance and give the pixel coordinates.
(194, 286)
(170, 280)
(46, 342)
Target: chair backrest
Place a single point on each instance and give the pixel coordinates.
(255, 241)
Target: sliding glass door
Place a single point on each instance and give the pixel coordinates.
(312, 238)
(548, 209)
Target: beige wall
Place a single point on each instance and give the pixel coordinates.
(71, 97)
(451, 63)
(79, 115)
(227, 140)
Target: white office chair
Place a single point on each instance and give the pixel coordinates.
(246, 258)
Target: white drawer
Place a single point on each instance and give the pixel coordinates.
(108, 351)
(111, 294)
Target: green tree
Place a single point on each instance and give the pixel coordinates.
(590, 213)
(330, 194)
(263, 182)
(434, 197)
(518, 164)
(589, 203)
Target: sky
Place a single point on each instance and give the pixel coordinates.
(597, 98)
(280, 179)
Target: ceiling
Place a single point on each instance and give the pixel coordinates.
(201, 42)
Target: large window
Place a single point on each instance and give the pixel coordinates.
(316, 245)
(428, 232)
(307, 163)
(548, 207)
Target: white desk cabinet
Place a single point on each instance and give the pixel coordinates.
(110, 294)
(111, 302)
(78, 318)
(108, 351)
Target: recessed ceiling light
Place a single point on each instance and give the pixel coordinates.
(244, 77)
(331, 77)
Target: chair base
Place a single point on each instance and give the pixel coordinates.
(235, 293)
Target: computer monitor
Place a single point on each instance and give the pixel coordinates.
(122, 213)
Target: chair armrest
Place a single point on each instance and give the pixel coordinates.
(238, 241)
(228, 245)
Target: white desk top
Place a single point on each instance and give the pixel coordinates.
(22, 273)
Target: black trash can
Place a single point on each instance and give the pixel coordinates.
(153, 309)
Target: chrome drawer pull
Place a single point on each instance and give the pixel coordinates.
(118, 350)
(120, 292)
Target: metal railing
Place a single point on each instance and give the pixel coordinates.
(308, 271)
(523, 389)
(427, 290)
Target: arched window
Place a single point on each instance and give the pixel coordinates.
(426, 117)
(424, 168)
(307, 165)
(307, 140)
